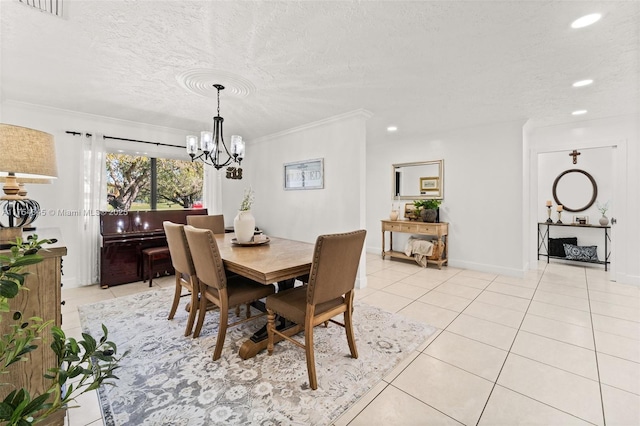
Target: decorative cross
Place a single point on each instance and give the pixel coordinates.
(574, 154)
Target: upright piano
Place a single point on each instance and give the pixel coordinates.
(126, 234)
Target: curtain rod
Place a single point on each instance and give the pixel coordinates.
(128, 140)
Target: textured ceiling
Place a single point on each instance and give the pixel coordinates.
(424, 65)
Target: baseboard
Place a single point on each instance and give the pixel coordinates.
(628, 279)
(70, 282)
(361, 282)
(492, 269)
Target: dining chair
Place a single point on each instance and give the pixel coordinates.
(185, 271)
(216, 224)
(330, 292)
(213, 222)
(216, 286)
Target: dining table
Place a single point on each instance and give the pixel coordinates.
(267, 261)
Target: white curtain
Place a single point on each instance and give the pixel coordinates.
(94, 200)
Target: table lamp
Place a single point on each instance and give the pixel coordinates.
(29, 156)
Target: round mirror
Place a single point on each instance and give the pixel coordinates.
(574, 188)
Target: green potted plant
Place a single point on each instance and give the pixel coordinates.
(427, 209)
(88, 362)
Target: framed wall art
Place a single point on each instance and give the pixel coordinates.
(431, 183)
(307, 174)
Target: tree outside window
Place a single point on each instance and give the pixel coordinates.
(130, 186)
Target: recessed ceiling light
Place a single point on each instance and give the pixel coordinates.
(120, 150)
(579, 112)
(392, 128)
(586, 20)
(582, 83)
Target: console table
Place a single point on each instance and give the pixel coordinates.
(544, 235)
(439, 230)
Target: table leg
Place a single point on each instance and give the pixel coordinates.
(258, 341)
(382, 245)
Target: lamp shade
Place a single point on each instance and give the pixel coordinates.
(27, 153)
(27, 180)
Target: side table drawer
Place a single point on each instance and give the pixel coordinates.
(429, 229)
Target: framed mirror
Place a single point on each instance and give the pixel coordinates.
(422, 180)
(575, 190)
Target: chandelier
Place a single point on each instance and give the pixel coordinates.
(212, 146)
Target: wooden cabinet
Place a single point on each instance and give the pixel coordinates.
(42, 300)
(438, 230)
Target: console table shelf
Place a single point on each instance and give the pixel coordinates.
(439, 230)
(544, 231)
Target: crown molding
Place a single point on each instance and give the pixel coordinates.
(358, 113)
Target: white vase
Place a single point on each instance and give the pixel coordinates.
(244, 225)
(604, 221)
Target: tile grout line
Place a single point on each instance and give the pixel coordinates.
(595, 351)
(495, 383)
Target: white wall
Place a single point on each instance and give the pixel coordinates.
(483, 187)
(621, 132)
(598, 162)
(64, 192)
(304, 214)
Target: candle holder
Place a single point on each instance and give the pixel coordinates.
(559, 217)
(549, 214)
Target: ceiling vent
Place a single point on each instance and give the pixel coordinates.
(53, 7)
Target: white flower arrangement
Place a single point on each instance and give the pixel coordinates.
(602, 208)
(247, 200)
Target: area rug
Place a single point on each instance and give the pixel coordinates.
(169, 379)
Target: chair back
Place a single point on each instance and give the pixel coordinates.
(206, 257)
(335, 265)
(178, 247)
(213, 222)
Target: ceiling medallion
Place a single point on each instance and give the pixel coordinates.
(202, 81)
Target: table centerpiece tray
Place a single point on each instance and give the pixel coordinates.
(251, 243)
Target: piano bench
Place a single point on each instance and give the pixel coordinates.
(149, 257)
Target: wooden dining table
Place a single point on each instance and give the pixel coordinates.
(278, 261)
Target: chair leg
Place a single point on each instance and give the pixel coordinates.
(308, 347)
(248, 310)
(194, 304)
(202, 310)
(271, 325)
(222, 331)
(150, 271)
(176, 297)
(348, 326)
(238, 311)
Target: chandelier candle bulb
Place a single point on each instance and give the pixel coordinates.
(559, 208)
(548, 203)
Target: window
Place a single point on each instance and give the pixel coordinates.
(144, 183)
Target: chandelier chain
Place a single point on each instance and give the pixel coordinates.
(218, 102)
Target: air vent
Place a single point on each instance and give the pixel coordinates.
(53, 7)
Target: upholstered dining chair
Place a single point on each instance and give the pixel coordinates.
(216, 286)
(185, 271)
(330, 292)
(216, 224)
(213, 222)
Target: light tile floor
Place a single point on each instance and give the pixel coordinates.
(560, 346)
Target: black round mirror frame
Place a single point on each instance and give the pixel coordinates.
(593, 183)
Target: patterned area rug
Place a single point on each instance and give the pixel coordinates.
(169, 379)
